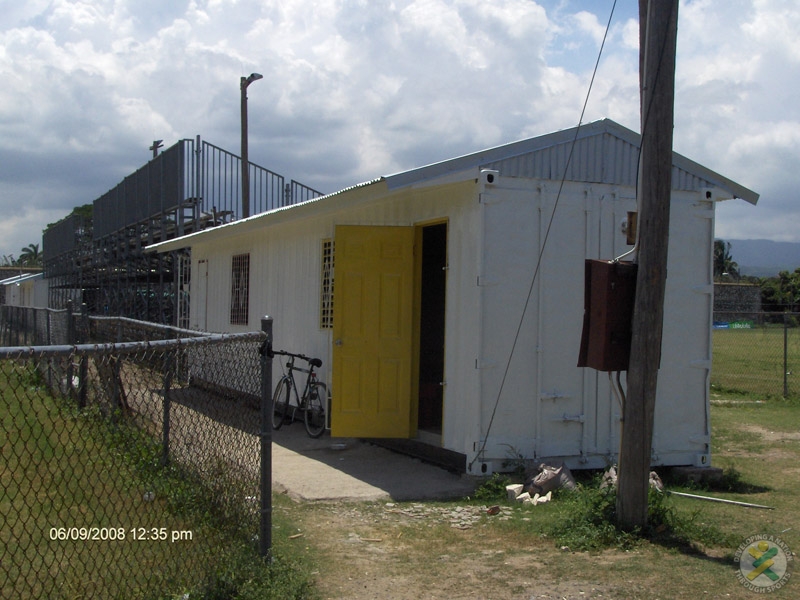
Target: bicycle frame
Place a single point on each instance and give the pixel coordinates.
(311, 402)
(312, 376)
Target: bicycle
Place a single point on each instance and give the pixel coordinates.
(312, 402)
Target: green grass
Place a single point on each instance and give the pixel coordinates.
(68, 469)
(755, 440)
(752, 361)
(569, 546)
(584, 519)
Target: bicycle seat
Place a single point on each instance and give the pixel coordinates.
(315, 362)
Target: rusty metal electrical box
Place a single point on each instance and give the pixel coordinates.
(609, 293)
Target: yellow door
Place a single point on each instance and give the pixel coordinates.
(372, 332)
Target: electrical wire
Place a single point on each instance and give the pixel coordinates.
(619, 393)
(544, 242)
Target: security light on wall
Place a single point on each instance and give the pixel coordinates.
(489, 177)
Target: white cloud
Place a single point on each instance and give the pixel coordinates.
(775, 25)
(629, 34)
(736, 80)
(354, 89)
(588, 23)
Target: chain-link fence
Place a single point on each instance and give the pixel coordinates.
(130, 469)
(757, 353)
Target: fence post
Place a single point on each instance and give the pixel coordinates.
(116, 368)
(48, 342)
(71, 342)
(168, 370)
(785, 355)
(83, 373)
(265, 534)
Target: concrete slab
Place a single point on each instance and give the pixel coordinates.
(345, 469)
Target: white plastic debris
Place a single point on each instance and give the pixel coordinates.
(514, 490)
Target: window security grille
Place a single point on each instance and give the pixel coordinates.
(184, 288)
(326, 289)
(240, 289)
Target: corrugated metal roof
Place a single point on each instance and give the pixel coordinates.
(21, 278)
(604, 152)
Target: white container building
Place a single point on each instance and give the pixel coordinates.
(417, 291)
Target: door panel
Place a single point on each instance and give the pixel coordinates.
(372, 332)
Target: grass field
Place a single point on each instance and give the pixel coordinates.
(86, 511)
(63, 469)
(566, 549)
(752, 360)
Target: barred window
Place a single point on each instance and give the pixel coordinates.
(184, 288)
(326, 289)
(240, 289)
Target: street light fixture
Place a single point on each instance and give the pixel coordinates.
(246, 81)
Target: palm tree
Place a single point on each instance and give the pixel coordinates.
(30, 256)
(723, 261)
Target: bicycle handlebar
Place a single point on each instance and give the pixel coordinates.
(315, 362)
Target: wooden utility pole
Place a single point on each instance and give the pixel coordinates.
(658, 26)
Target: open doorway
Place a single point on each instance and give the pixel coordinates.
(431, 329)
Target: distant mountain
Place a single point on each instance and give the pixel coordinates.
(765, 258)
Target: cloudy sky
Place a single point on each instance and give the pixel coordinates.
(355, 89)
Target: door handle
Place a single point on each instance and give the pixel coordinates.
(338, 342)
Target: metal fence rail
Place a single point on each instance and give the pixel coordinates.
(131, 467)
(98, 256)
(757, 353)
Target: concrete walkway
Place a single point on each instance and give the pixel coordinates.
(336, 469)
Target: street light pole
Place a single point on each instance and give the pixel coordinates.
(246, 81)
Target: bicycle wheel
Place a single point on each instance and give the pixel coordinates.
(316, 405)
(280, 403)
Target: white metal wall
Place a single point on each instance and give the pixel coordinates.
(549, 408)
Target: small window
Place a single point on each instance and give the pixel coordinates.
(240, 289)
(184, 287)
(326, 289)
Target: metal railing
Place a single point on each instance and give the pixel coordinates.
(757, 353)
(151, 458)
(189, 186)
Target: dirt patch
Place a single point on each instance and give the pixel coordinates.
(772, 436)
(782, 444)
(407, 552)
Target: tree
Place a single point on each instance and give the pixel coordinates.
(84, 212)
(30, 256)
(781, 293)
(723, 260)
